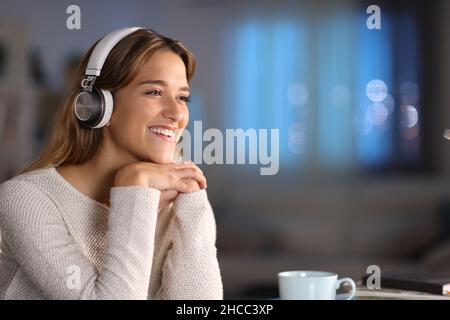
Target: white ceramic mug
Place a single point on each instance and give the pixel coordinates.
(311, 285)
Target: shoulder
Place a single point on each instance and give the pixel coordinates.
(33, 181)
(26, 195)
(35, 176)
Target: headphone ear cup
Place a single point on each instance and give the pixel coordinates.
(94, 109)
(107, 108)
(88, 107)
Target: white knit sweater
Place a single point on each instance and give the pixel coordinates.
(57, 243)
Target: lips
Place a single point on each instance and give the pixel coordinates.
(163, 132)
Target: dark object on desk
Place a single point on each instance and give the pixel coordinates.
(436, 283)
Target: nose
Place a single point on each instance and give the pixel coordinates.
(173, 110)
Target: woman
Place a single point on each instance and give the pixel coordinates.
(106, 213)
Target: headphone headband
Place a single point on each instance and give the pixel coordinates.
(94, 106)
(102, 49)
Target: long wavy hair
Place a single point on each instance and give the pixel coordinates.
(71, 143)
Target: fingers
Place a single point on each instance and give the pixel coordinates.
(188, 169)
(183, 177)
(190, 186)
(187, 164)
(193, 173)
(184, 186)
(167, 197)
(169, 194)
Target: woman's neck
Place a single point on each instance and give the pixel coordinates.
(95, 177)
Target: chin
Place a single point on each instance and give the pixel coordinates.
(161, 159)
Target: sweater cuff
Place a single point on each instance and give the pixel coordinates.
(135, 198)
(193, 208)
(197, 226)
(191, 201)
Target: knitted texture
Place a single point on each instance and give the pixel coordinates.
(58, 243)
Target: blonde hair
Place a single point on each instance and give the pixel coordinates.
(71, 143)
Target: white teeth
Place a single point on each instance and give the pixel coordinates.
(166, 132)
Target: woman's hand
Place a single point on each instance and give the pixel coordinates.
(184, 177)
(167, 197)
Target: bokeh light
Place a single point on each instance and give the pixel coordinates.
(410, 116)
(297, 138)
(297, 94)
(376, 90)
(377, 113)
(389, 103)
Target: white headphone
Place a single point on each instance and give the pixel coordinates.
(94, 106)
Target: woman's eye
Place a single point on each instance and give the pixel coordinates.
(154, 92)
(186, 99)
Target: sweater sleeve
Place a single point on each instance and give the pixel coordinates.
(191, 269)
(34, 230)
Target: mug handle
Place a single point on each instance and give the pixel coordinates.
(352, 283)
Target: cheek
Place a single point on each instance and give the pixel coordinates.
(185, 120)
(139, 111)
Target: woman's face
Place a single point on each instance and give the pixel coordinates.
(149, 110)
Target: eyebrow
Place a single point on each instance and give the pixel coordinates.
(161, 83)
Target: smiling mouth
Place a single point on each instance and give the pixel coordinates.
(165, 134)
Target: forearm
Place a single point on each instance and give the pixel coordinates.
(191, 269)
(41, 244)
(130, 244)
